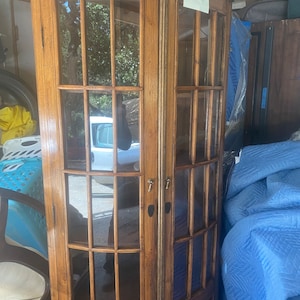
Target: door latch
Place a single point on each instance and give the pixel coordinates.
(150, 185)
(167, 183)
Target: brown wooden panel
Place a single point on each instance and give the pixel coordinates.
(219, 5)
(282, 101)
(284, 112)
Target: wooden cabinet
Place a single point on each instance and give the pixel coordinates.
(273, 85)
(150, 229)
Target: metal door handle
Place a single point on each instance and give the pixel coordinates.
(150, 185)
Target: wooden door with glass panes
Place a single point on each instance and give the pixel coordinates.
(197, 101)
(131, 105)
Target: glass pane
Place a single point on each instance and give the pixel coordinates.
(184, 110)
(208, 125)
(212, 197)
(128, 212)
(70, 42)
(128, 131)
(128, 233)
(74, 133)
(180, 270)
(197, 263)
(185, 46)
(102, 209)
(104, 276)
(129, 276)
(100, 103)
(129, 265)
(77, 208)
(205, 58)
(181, 203)
(127, 45)
(210, 252)
(101, 122)
(101, 131)
(199, 198)
(202, 126)
(98, 42)
(79, 268)
(215, 124)
(220, 46)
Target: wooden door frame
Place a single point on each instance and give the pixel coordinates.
(46, 49)
(46, 58)
(169, 144)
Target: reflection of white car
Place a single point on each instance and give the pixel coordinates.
(102, 146)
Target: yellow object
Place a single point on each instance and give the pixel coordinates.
(15, 122)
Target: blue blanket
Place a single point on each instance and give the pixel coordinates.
(261, 251)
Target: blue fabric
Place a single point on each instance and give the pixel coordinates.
(259, 161)
(239, 46)
(261, 257)
(261, 251)
(25, 225)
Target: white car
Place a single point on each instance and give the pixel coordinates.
(101, 129)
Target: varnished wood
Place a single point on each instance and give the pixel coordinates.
(282, 107)
(210, 256)
(221, 134)
(220, 6)
(150, 154)
(46, 61)
(170, 146)
(163, 111)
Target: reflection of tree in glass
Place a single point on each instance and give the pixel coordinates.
(127, 54)
(69, 26)
(98, 45)
(98, 56)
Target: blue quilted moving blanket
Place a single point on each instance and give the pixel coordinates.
(261, 251)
